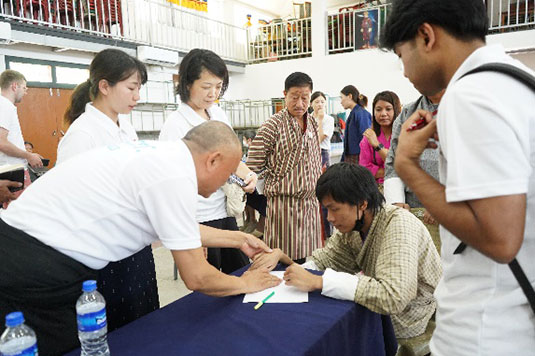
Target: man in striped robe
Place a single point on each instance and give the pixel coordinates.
(286, 149)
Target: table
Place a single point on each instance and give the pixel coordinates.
(201, 325)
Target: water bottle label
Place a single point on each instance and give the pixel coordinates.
(30, 351)
(92, 321)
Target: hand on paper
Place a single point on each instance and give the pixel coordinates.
(300, 278)
(267, 260)
(258, 280)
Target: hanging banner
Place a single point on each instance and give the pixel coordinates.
(198, 5)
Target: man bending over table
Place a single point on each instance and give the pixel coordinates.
(381, 257)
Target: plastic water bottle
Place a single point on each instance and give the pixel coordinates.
(18, 339)
(91, 317)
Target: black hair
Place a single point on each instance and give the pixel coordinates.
(249, 134)
(298, 79)
(111, 64)
(316, 95)
(464, 19)
(28, 143)
(355, 95)
(191, 67)
(364, 100)
(351, 184)
(389, 97)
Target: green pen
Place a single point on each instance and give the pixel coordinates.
(265, 300)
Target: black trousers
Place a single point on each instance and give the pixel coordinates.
(129, 288)
(44, 284)
(226, 259)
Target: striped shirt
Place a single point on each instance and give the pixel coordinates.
(291, 163)
(400, 265)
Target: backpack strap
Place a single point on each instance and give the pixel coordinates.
(529, 81)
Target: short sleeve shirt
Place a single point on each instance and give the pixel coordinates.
(9, 120)
(130, 198)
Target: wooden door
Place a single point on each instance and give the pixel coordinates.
(41, 119)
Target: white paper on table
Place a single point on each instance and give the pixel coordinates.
(283, 293)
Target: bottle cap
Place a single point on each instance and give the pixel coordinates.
(89, 285)
(14, 319)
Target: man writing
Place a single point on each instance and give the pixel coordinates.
(400, 265)
(67, 225)
(485, 197)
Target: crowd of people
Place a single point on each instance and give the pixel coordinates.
(431, 202)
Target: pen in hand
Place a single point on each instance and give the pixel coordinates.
(418, 124)
(263, 301)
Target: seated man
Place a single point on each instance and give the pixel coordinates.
(399, 264)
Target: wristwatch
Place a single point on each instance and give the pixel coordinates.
(379, 147)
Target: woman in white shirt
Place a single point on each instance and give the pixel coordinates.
(318, 101)
(203, 80)
(94, 119)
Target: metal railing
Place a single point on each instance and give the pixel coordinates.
(244, 114)
(166, 25)
(280, 40)
(510, 15)
(149, 22)
(102, 17)
(348, 31)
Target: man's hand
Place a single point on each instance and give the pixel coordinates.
(428, 218)
(258, 280)
(267, 260)
(250, 182)
(34, 160)
(5, 194)
(252, 246)
(412, 143)
(298, 277)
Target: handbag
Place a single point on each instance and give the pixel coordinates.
(235, 199)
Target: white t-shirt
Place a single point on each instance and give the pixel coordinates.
(93, 129)
(328, 129)
(111, 202)
(486, 126)
(177, 126)
(9, 120)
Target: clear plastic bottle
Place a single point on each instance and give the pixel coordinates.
(91, 316)
(18, 339)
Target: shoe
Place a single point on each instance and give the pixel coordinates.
(257, 233)
(250, 227)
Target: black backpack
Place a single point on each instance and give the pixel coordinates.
(529, 81)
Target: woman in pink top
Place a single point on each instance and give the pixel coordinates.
(376, 142)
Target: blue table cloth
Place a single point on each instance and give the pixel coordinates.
(201, 325)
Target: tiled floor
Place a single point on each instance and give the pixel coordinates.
(169, 290)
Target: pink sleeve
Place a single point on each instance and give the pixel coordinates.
(366, 156)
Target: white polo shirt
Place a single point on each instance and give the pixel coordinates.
(93, 129)
(328, 129)
(111, 202)
(486, 126)
(9, 120)
(177, 126)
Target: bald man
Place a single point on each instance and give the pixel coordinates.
(73, 221)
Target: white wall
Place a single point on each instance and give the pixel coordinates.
(371, 71)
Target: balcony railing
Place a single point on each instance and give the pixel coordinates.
(148, 22)
(245, 114)
(510, 15)
(348, 31)
(102, 17)
(280, 40)
(163, 24)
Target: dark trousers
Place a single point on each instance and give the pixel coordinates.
(226, 259)
(44, 284)
(258, 202)
(129, 288)
(325, 163)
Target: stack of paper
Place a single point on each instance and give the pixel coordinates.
(283, 293)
